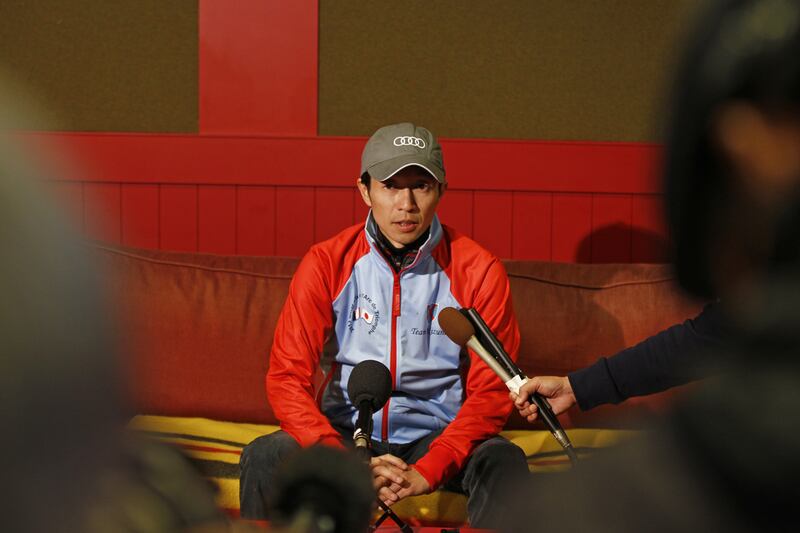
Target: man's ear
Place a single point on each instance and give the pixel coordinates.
(442, 188)
(364, 192)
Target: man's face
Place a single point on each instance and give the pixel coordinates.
(404, 205)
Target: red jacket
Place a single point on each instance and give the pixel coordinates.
(345, 294)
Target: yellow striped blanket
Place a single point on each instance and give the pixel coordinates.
(214, 447)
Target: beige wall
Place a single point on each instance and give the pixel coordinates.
(104, 65)
(522, 69)
(525, 69)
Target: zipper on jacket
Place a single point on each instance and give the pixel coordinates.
(393, 353)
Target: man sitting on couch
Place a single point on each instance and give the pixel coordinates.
(373, 293)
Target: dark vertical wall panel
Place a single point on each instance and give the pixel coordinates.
(294, 233)
(140, 215)
(255, 220)
(179, 217)
(216, 219)
(532, 226)
(102, 211)
(455, 209)
(649, 240)
(492, 222)
(611, 229)
(572, 225)
(333, 210)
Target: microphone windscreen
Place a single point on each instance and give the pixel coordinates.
(328, 485)
(370, 380)
(456, 326)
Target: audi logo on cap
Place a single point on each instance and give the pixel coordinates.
(407, 140)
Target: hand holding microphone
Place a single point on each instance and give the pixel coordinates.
(556, 389)
(469, 329)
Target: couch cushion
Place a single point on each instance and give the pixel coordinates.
(572, 314)
(199, 328)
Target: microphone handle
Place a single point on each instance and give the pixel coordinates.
(548, 416)
(492, 344)
(488, 339)
(490, 361)
(362, 437)
(514, 383)
(517, 378)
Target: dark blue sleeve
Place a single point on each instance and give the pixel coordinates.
(665, 360)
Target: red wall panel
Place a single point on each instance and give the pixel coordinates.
(287, 220)
(250, 201)
(258, 67)
(333, 161)
(553, 166)
(572, 226)
(140, 214)
(492, 221)
(102, 210)
(649, 240)
(294, 208)
(333, 210)
(360, 209)
(532, 226)
(216, 219)
(455, 209)
(178, 218)
(255, 220)
(611, 229)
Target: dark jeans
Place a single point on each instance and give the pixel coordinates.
(493, 465)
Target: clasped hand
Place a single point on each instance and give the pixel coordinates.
(395, 480)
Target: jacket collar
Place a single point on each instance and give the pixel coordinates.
(434, 236)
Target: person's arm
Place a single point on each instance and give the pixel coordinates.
(486, 406)
(662, 361)
(304, 324)
(659, 362)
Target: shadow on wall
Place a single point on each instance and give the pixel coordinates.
(622, 243)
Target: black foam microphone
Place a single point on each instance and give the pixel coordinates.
(369, 386)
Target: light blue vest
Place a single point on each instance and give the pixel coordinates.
(428, 390)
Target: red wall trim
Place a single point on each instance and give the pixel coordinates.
(280, 220)
(534, 166)
(278, 196)
(258, 67)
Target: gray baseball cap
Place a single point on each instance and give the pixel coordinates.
(395, 147)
